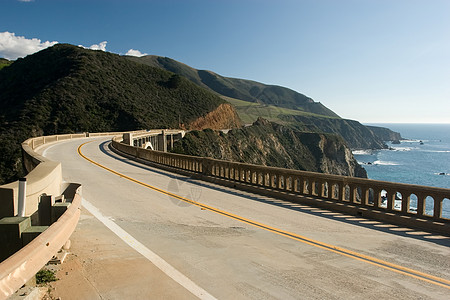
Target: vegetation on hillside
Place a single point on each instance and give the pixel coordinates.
(249, 112)
(66, 89)
(247, 90)
(4, 63)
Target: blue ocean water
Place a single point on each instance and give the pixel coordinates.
(423, 158)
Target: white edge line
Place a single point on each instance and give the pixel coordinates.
(147, 253)
(44, 153)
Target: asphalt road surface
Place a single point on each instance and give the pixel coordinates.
(146, 233)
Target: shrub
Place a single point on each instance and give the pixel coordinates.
(44, 276)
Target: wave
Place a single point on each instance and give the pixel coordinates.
(416, 141)
(385, 163)
(437, 151)
(362, 152)
(365, 162)
(402, 148)
(442, 174)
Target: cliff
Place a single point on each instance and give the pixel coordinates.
(354, 133)
(385, 133)
(271, 144)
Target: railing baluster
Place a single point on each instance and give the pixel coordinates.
(437, 213)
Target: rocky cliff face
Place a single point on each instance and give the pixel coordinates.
(223, 117)
(271, 144)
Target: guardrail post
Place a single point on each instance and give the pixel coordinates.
(405, 201)
(321, 189)
(437, 213)
(420, 205)
(22, 197)
(390, 195)
(206, 167)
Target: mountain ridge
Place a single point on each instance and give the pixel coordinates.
(282, 105)
(243, 89)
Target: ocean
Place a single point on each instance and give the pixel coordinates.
(423, 158)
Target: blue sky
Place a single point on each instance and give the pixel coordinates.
(368, 60)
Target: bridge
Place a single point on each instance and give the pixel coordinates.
(166, 225)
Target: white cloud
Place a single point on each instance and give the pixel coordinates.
(13, 47)
(137, 53)
(101, 46)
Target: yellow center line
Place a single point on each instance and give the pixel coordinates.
(348, 253)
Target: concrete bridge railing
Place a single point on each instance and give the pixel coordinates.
(403, 204)
(44, 178)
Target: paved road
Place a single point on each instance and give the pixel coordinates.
(134, 241)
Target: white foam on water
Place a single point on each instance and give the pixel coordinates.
(385, 163)
(402, 148)
(362, 152)
(437, 151)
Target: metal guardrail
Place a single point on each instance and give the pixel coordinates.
(405, 204)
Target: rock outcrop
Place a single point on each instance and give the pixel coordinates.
(223, 117)
(271, 144)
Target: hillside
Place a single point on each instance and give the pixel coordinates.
(277, 104)
(271, 144)
(241, 89)
(66, 89)
(4, 63)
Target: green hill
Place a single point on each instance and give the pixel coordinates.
(247, 90)
(4, 63)
(249, 112)
(66, 89)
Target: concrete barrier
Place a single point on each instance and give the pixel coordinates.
(24, 264)
(44, 178)
(396, 203)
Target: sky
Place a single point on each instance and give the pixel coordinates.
(375, 61)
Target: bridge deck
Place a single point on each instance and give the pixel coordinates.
(230, 243)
